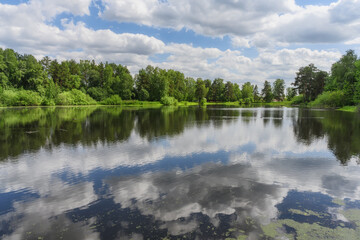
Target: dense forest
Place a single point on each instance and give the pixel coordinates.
(26, 81)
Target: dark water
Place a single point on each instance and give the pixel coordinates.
(179, 173)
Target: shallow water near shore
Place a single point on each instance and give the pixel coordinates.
(179, 173)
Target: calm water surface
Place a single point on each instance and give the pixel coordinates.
(179, 173)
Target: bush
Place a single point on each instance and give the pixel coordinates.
(169, 101)
(48, 102)
(330, 99)
(358, 108)
(203, 102)
(113, 100)
(20, 98)
(74, 97)
(97, 93)
(299, 99)
(248, 100)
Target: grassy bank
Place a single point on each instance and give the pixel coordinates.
(278, 104)
(348, 109)
(137, 103)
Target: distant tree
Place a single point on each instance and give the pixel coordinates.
(190, 86)
(266, 92)
(12, 70)
(343, 76)
(310, 82)
(278, 89)
(229, 94)
(176, 84)
(357, 84)
(217, 90)
(201, 89)
(123, 82)
(142, 79)
(237, 92)
(143, 95)
(256, 94)
(290, 93)
(247, 91)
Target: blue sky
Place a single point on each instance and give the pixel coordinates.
(247, 40)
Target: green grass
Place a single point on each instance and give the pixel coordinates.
(224, 103)
(348, 109)
(277, 104)
(141, 103)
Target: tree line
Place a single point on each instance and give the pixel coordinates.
(24, 80)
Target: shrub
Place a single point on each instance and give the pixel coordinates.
(330, 99)
(74, 97)
(248, 100)
(113, 100)
(358, 108)
(203, 102)
(20, 98)
(48, 102)
(299, 99)
(169, 101)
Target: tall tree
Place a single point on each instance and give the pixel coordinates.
(237, 92)
(256, 94)
(217, 90)
(290, 93)
(278, 89)
(201, 89)
(247, 91)
(310, 82)
(266, 92)
(229, 94)
(343, 76)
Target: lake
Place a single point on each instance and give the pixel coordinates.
(179, 173)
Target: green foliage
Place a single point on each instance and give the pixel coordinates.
(217, 90)
(229, 94)
(247, 90)
(190, 89)
(20, 98)
(74, 97)
(310, 82)
(48, 102)
(343, 76)
(256, 94)
(267, 92)
(143, 95)
(278, 89)
(290, 93)
(169, 101)
(248, 100)
(113, 100)
(155, 81)
(299, 99)
(357, 83)
(201, 90)
(329, 99)
(203, 102)
(97, 93)
(51, 82)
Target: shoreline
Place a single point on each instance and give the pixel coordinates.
(149, 104)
